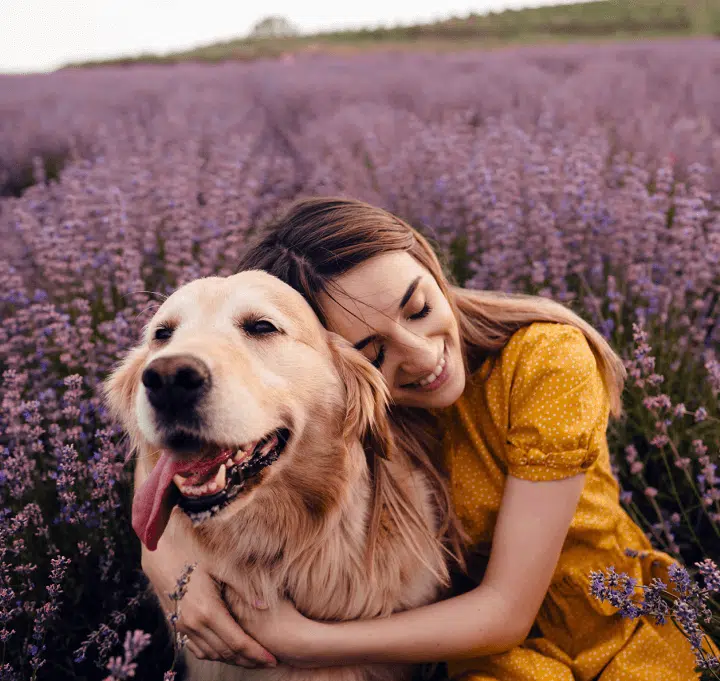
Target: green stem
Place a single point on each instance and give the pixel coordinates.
(658, 512)
(638, 514)
(695, 489)
(700, 651)
(639, 518)
(679, 502)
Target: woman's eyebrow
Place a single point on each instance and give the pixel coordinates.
(403, 302)
(409, 292)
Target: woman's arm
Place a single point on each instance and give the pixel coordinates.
(213, 633)
(531, 527)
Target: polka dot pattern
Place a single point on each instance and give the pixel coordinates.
(540, 412)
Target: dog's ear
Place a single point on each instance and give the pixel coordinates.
(367, 397)
(391, 508)
(119, 388)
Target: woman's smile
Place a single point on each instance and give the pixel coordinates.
(434, 380)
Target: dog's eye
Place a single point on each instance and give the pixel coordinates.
(259, 327)
(163, 333)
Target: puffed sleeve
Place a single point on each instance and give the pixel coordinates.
(558, 404)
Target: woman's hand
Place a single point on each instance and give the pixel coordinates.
(283, 630)
(493, 618)
(213, 633)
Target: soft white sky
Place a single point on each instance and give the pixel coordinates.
(40, 35)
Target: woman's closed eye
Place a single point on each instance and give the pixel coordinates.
(380, 358)
(421, 314)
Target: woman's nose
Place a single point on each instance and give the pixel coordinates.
(419, 357)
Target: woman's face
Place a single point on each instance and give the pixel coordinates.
(392, 310)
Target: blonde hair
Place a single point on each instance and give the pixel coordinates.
(319, 239)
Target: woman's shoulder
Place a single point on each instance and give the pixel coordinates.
(542, 347)
(546, 334)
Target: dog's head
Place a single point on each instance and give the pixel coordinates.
(232, 374)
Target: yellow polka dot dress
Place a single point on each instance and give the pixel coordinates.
(540, 412)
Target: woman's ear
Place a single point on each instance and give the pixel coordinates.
(367, 397)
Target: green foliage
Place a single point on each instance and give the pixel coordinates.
(582, 20)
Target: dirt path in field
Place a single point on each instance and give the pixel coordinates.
(11, 245)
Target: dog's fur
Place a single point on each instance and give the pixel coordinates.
(302, 530)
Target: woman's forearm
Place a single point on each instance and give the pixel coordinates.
(474, 624)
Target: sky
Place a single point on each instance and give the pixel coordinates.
(41, 35)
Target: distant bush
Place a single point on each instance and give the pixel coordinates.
(599, 19)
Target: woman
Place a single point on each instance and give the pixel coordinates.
(519, 391)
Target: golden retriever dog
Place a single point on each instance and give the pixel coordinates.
(270, 433)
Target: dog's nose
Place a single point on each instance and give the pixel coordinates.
(176, 383)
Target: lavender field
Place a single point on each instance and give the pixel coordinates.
(587, 174)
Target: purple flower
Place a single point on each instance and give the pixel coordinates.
(686, 609)
(680, 578)
(529, 181)
(626, 497)
(122, 668)
(710, 573)
(700, 414)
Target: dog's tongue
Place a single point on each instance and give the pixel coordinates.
(152, 502)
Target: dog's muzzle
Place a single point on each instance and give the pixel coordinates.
(175, 387)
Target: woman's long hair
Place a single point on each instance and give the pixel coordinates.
(319, 239)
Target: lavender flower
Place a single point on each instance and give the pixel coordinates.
(179, 640)
(527, 176)
(122, 668)
(687, 607)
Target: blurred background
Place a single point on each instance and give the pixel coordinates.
(42, 35)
